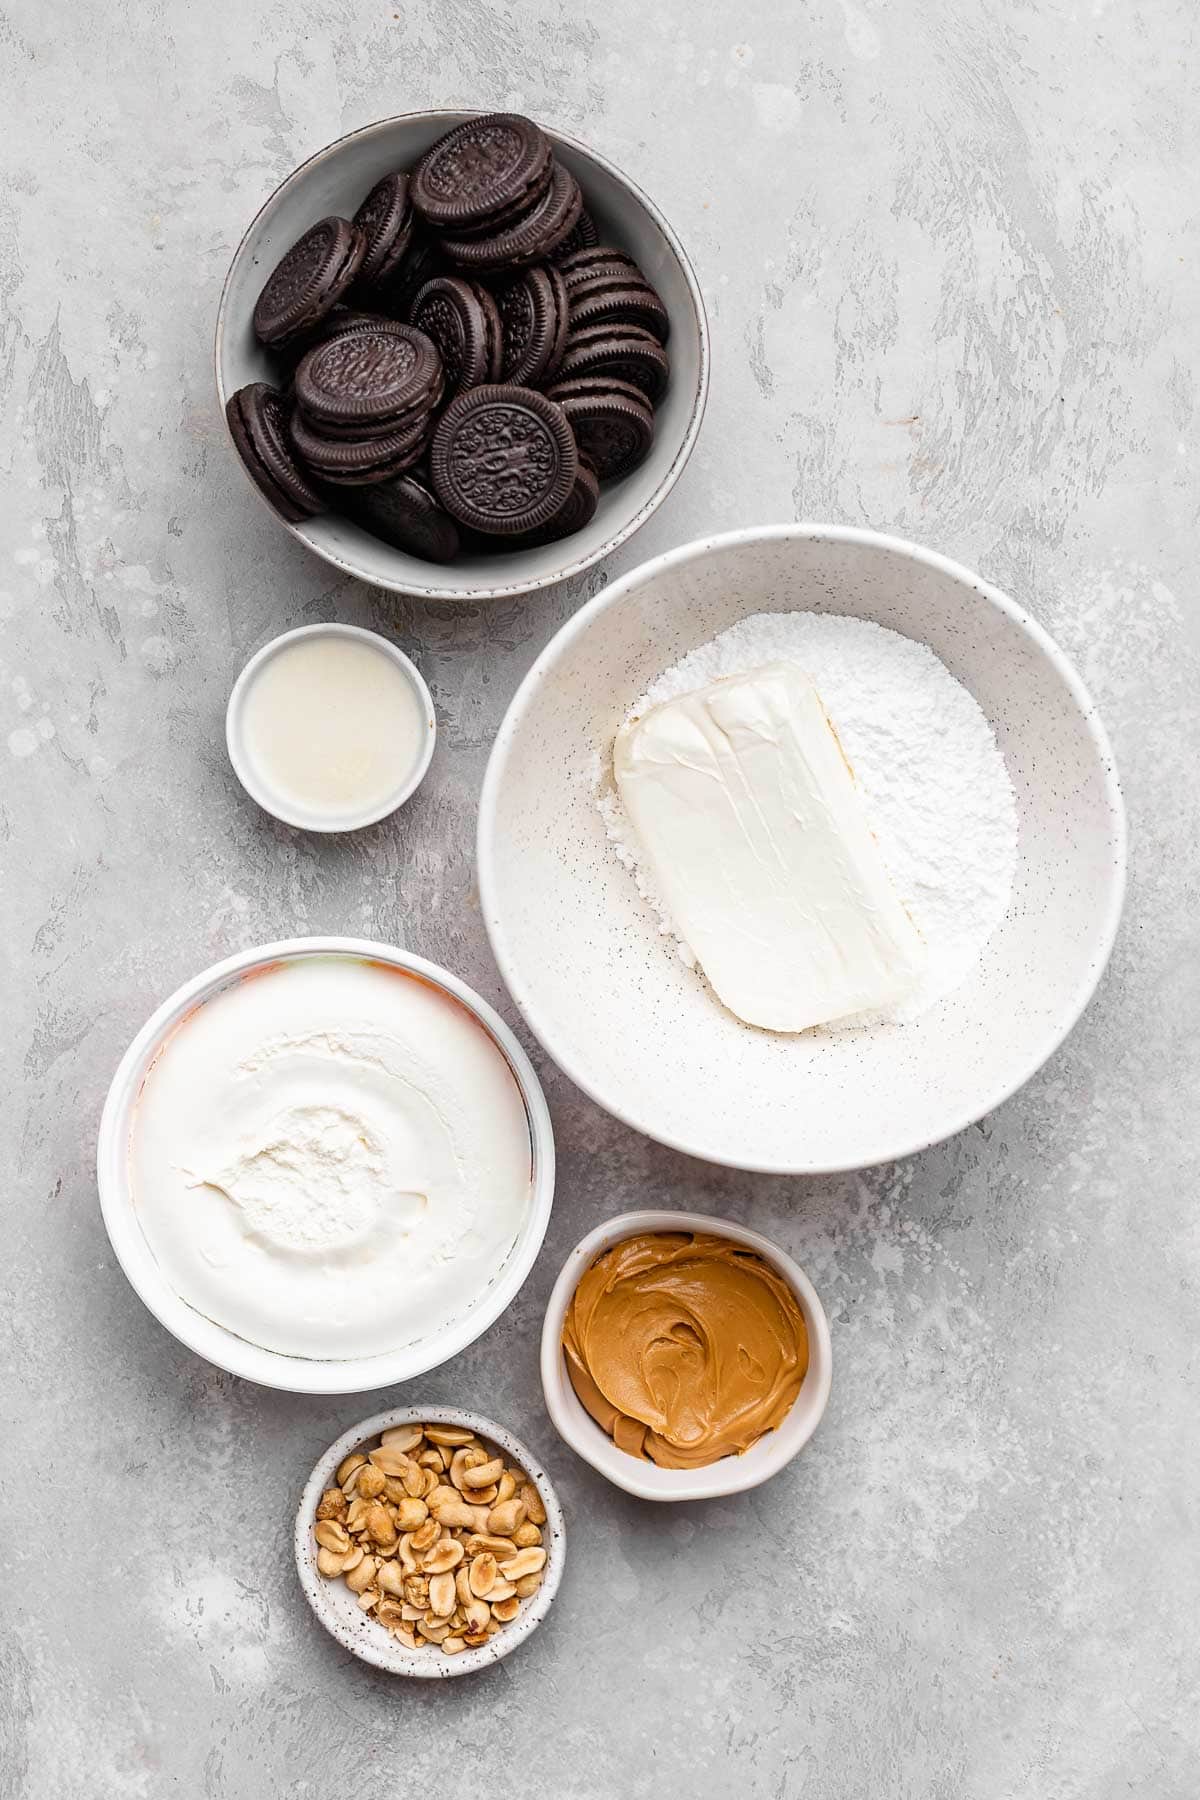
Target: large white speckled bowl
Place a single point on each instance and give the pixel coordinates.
(338, 1610)
(336, 180)
(640, 1032)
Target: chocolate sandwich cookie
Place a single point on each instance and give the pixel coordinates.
(612, 420)
(257, 420)
(535, 315)
(351, 462)
(421, 262)
(579, 510)
(309, 281)
(597, 259)
(387, 220)
(610, 302)
(370, 382)
(532, 238)
(461, 320)
(495, 329)
(405, 514)
(582, 235)
(504, 459)
(482, 175)
(626, 352)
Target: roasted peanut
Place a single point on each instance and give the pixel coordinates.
(370, 1482)
(535, 1512)
(526, 1535)
(332, 1536)
(380, 1524)
(402, 1437)
(525, 1562)
(528, 1584)
(426, 1536)
(363, 1577)
(449, 1434)
(332, 1504)
(410, 1513)
(389, 1578)
(453, 1513)
(481, 1540)
(442, 1595)
(391, 1462)
(504, 1518)
(476, 1614)
(483, 1574)
(484, 1474)
(447, 1553)
(504, 1610)
(347, 1467)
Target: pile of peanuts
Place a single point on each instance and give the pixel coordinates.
(437, 1537)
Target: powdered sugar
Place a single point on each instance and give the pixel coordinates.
(934, 783)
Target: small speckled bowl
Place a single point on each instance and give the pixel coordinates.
(337, 1608)
(732, 1474)
(582, 953)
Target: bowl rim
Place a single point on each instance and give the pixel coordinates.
(242, 763)
(252, 1362)
(731, 1474)
(390, 1655)
(432, 590)
(696, 551)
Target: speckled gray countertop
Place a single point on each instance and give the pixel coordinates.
(949, 249)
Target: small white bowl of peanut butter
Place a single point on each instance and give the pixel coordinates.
(684, 1357)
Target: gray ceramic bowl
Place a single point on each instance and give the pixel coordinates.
(336, 1607)
(336, 180)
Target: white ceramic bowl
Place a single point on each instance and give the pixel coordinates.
(251, 777)
(336, 180)
(638, 1031)
(295, 1374)
(732, 1474)
(337, 1608)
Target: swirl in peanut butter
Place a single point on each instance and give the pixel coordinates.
(684, 1347)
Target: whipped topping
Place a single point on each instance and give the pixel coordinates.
(330, 1158)
(753, 825)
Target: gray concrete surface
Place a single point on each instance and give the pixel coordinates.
(950, 251)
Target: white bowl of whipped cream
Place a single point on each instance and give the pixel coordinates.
(326, 1165)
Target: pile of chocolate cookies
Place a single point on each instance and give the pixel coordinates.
(463, 362)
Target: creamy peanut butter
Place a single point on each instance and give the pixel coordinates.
(684, 1347)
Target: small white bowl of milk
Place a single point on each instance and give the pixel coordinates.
(330, 727)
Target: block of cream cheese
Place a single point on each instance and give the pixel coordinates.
(761, 849)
